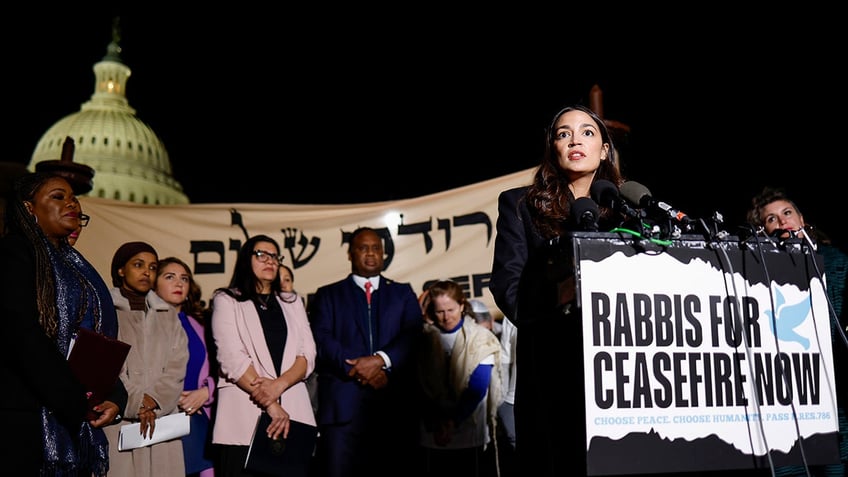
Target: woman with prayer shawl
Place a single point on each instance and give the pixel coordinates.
(459, 367)
(48, 290)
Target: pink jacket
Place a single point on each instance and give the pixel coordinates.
(240, 342)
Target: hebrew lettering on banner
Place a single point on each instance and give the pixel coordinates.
(445, 235)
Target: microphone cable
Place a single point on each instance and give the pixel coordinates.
(835, 324)
(820, 275)
(732, 291)
(812, 250)
(638, 235)
(786, 381)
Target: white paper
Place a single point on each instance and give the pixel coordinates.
(167, 427)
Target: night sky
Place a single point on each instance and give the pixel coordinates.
(346, 106)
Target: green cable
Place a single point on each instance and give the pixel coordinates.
(664, 243)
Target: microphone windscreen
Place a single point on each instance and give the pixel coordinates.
(585, 213)
(604, 192)
(781, 233)
(636, 193)
(583, 205)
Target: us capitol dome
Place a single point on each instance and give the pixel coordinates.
(129, 161)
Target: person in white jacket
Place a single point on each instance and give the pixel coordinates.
(506, 413)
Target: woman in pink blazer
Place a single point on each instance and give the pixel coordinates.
(265, 352)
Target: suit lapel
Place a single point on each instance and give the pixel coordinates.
(258, 346)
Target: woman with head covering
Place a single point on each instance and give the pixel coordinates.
(156, 366)
(48, 290)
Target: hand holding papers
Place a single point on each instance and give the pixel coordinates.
(168, 427)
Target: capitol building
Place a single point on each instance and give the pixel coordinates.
(128, 161)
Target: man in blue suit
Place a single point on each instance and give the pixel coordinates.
(365, 327)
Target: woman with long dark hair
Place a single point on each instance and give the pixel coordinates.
(265, 352)
(48, 291)
(579, 150)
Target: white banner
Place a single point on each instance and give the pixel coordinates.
(697, 360)
(449, 234)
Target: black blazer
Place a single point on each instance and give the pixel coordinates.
(516, 239)
(550, 433)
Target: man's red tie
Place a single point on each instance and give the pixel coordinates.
(368, 291)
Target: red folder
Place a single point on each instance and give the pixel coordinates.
(96, 361)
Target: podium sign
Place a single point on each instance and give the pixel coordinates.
(703, 356)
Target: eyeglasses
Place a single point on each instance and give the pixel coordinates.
(265, 257)
(84, 220)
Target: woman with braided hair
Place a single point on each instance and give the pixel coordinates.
(48, 290)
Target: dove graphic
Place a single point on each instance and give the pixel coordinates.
(786, 317)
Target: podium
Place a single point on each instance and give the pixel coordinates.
(701, 355)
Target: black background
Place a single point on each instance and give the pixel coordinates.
(347, 104)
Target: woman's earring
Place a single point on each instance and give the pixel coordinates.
(29, 209)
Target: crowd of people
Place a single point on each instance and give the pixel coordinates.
(380, 374)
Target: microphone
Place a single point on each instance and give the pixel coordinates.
(789, 233)
(777, 233)
(585, 213)
(606, 194)
(640, 196)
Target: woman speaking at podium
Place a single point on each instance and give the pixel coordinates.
(550, 427)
